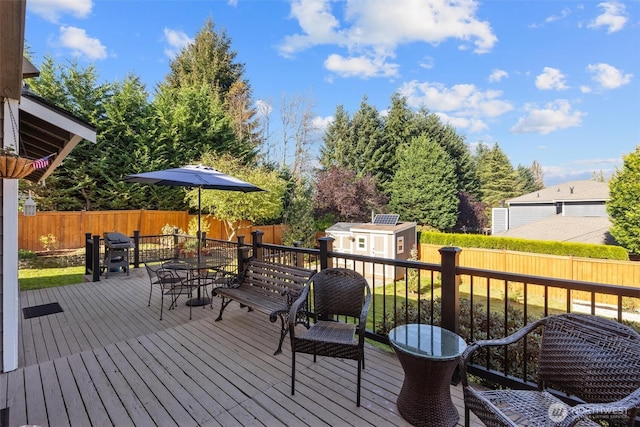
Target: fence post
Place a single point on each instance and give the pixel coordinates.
(450, 316)
(95, 256)
(326, 246)
(258, 250)
(136, 248)
(176, 249)
(87, 253)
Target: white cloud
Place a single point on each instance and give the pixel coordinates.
(552, 117)
(608, 76)
(472, 125)
(373, 29)
(360, 66)
(614, 17)
(464, 100)
(563, 14)
(51, 10)
(321, 123)
(176, 40)
(551, 78)
(263, 108)
(81, 44)
(497, 75)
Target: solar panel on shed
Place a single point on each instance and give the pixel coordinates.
(386, 219)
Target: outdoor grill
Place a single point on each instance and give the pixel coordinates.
(116, 252)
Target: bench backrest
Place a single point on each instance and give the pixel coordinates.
(279, 278)
(590, 357)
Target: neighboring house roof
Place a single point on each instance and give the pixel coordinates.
(565, 229)
(572, 191)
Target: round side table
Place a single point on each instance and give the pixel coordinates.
(429, 356)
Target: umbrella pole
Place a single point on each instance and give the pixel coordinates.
(199, 232)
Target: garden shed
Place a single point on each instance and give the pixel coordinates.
(384, 237)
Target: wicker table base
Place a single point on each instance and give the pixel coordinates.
(425, 398)
(429, 356)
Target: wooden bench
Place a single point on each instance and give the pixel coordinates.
(268, 288)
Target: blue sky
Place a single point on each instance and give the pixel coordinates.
(553, 81)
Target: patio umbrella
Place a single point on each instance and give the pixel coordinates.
(194, 176)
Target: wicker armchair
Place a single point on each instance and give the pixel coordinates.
(338, 294)
(591, 358)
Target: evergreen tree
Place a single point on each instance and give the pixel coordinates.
(75, 89)
(208, 66)
(496, 175)
(128, 142)
(445, 135)
(191, 122)
(336, 140)
(624, 203)
(424, 188)
(526, 181)
(399, 129)
(208, 61)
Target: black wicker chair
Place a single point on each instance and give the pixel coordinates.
(339, 305)
(590, 358)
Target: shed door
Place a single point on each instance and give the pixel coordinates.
(379, 249)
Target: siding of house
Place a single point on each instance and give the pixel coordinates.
(526, 214)
(499, 220)
(584, 209)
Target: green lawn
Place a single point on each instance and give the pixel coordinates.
(49, 277)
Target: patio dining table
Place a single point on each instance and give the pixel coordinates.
(193, 267)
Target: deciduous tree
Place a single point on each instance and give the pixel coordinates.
(232, 207)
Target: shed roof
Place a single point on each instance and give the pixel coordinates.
(585, 190)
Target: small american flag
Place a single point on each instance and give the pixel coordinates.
(41, 163)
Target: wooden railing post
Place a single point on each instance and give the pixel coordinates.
(88, 258)
(258, 250)
(136, 248)
(326, 246)
(299, 255)
(242, 254)
(450, 316)
(95, 256)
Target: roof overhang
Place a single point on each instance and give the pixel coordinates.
(46, 129)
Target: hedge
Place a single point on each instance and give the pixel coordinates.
(583, 250)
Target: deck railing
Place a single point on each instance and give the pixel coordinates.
(475, 303)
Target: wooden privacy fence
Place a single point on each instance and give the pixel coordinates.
(613, 272)
(69, 228)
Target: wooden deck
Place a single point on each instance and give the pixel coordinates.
(109, 360)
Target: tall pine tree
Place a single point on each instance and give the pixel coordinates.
(424, 188)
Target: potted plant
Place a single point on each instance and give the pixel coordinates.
(13, 166)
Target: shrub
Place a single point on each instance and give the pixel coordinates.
(478, 325)
(481, 241)
(49, 242)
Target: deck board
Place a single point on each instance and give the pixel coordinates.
(109, 360)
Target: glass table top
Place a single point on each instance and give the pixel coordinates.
(427, 341)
